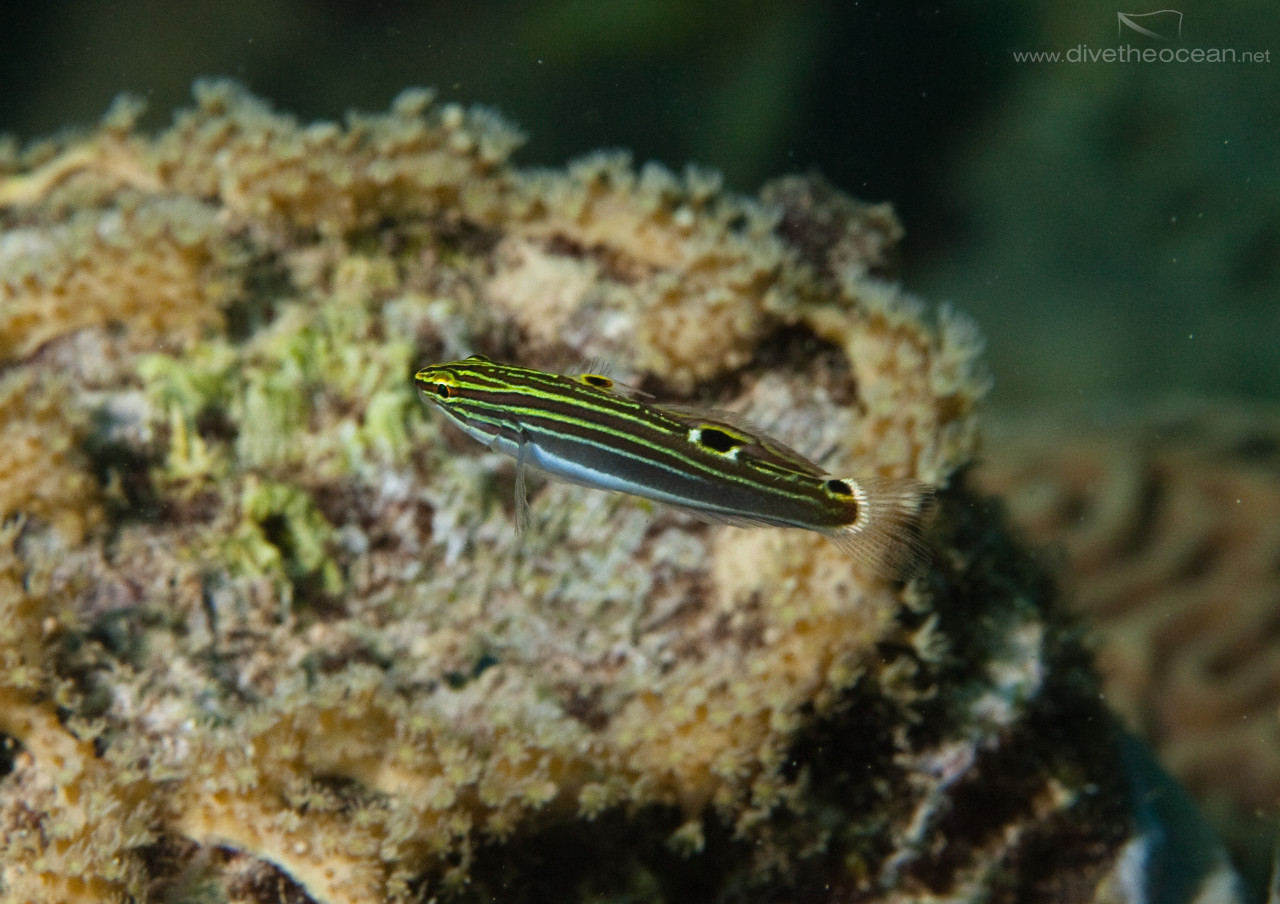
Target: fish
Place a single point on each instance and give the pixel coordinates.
(589, 429)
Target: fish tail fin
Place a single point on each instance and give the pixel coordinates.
(888, 532)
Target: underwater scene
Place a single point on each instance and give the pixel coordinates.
(639, 452)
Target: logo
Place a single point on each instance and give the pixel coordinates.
(1161, 25)
(1160, 42)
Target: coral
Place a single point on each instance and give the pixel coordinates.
(42, 472)
(302, 627)
(1167, 521)
(147, 266)
(90, 808)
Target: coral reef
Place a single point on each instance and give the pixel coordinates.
(271, 634)
(1167, 520)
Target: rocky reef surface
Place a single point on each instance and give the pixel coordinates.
(267, 632)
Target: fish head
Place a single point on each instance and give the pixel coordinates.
(455, 387)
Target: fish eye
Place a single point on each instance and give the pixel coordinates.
(439, 390)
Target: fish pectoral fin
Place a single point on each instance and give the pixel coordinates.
(524, 514)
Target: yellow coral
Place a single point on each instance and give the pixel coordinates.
(42, 472)
(91, 813)
(262, 167)
(146, 267)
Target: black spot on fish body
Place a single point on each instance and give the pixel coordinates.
(839, 488)
(718, 440)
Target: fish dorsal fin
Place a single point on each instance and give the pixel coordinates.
(597, 374)
(761, 445)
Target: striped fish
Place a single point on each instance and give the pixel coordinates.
(587, 429)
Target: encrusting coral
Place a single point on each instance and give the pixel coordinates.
(271, 629)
